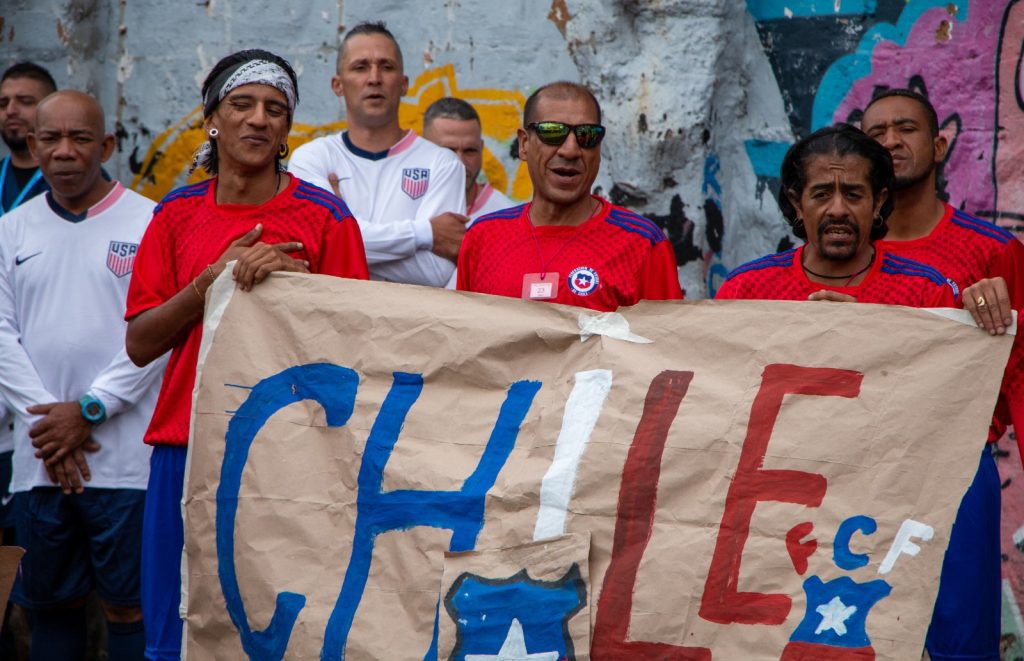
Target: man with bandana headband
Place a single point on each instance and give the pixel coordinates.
(251, 212)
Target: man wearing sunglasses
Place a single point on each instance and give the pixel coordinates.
(567, 245)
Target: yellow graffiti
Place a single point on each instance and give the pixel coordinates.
(169, 157)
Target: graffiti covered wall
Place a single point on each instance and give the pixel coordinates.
(702, 97)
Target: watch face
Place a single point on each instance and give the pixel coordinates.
(93, 409)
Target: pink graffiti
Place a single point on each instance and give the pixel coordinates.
(955, 59)
(1009, 139)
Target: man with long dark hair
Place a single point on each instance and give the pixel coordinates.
(250, 212)
(836, 187)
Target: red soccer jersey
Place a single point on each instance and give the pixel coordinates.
(613, 259)
(968, 249)
(892, 280)
(190, 230)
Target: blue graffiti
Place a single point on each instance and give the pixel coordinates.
(837, 611)
(769, 10)
(841, 554)
(712, 187)
(716, 276)
(334, 388)
(844, 72)
(460, 511)
(766, 156)
(715, 229)
(483, 610)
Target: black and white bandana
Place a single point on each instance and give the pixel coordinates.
(252, 72)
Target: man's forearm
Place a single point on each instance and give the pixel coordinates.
(387, 242)
(156, 331)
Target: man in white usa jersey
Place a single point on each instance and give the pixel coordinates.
(454, 124)
(407, 193)
(65, 261)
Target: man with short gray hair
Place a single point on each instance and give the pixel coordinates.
(454, 124)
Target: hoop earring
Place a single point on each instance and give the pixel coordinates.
(283, 150)
(879, 221)
(213, 133)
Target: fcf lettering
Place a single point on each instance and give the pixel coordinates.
(722, 602)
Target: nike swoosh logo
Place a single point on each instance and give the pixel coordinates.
(6, 499)
(18, 261)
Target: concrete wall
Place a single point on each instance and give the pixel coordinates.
(702, 97)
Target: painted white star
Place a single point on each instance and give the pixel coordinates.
(514, 649)
(834, 614)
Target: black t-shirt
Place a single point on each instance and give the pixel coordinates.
(15, 181)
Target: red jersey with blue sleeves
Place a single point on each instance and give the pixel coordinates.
(968, 249)
(892, 280)
(190, 230)
(613, 259)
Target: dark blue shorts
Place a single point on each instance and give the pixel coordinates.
(966, 621)
(78, 543)
(163, 541)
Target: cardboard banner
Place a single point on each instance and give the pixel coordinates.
(382, 471)
(10, 560)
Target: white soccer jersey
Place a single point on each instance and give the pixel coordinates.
(393, 195)
(488, 200)
(63, 287)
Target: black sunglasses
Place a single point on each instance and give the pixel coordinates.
(588, 136)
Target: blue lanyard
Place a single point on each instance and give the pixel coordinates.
(24, 191)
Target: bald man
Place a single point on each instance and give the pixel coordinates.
(81, 406)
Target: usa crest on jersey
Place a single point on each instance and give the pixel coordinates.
(415, 181)
(583, 280)
(121, 257)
